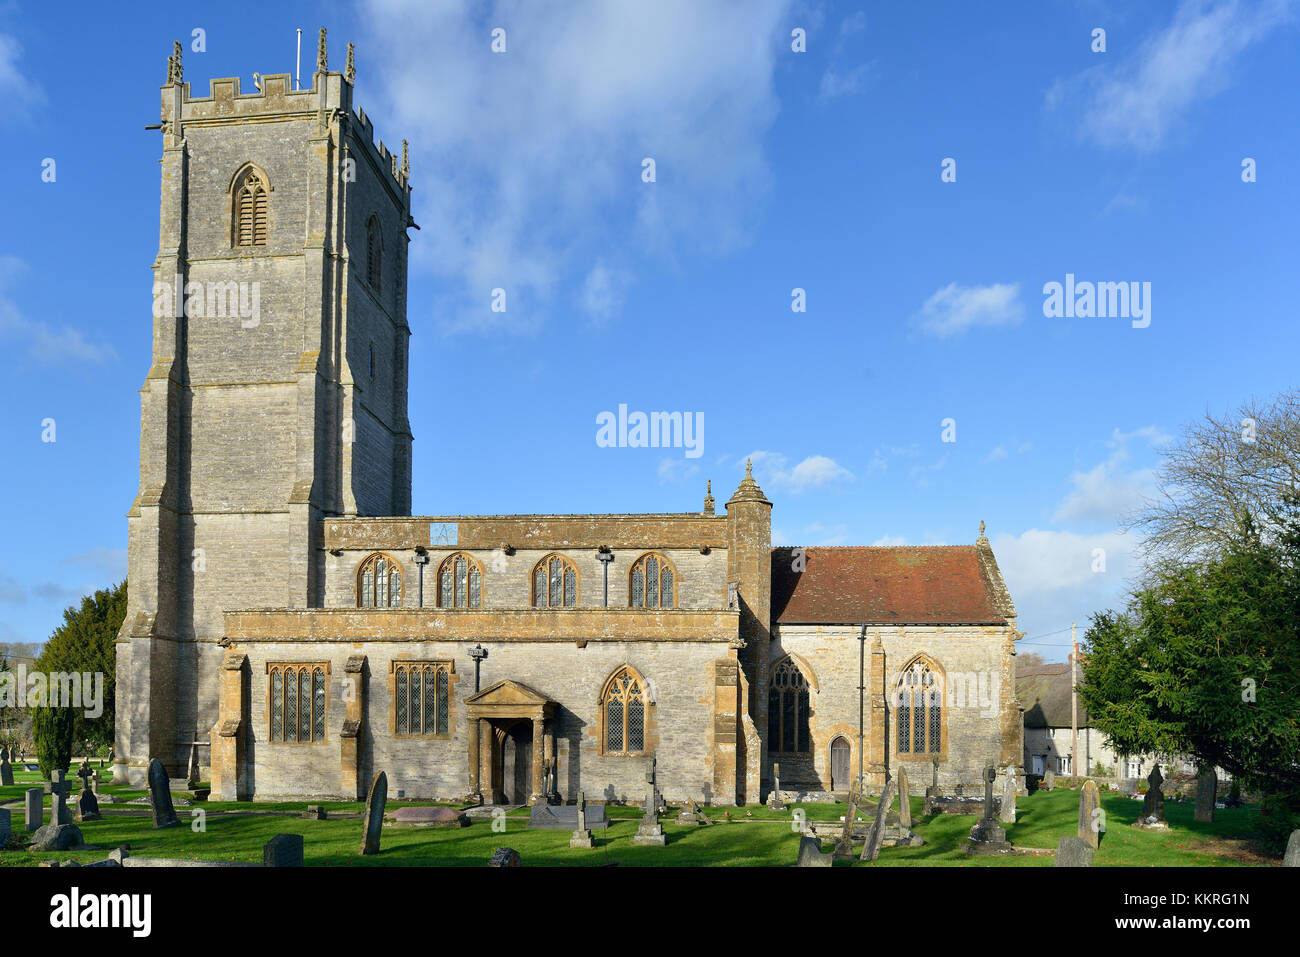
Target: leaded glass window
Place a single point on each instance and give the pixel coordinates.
(460, 582)
(555, 583)
(298, 702)
(918, 710)
(422, 697)
(380, 583)
(788, 710)
(652, 583)
(625, 714)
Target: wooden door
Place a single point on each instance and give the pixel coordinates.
(840, 772)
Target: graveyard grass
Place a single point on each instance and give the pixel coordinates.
(237, 832)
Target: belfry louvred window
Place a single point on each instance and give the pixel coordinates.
(250, 210)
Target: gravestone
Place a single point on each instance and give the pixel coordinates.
(1089, 814)
(1074, 852)
(160, 797)
(844, 846)
(60, 788)
(774, 799)
(1153, 805)
(650, 831)
(1207, 792)
(1007, 811)
(6, 826)
(904, 800)
(87, 806)
(504, 857)
(56, 837)
(35, 810)
(811, 854)
(690, 814)
(1049, 779)
(1292, 856)
(987, 837)
(374, 818)
(429, 817)
(315, 812)
(871, 849)
(1128, 787)
(581, 836)
(283, 850)
(6, 769)
(192, 776)
(564, 817)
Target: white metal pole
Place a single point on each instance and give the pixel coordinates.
(297, 70)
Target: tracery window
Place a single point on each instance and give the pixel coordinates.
(555, 583)
(623, 707)
(460, 582)
(421, 697)
(788, 709)
(918, 713)
(374, 253)
(250, 210)
(653, 583)
(379, 583)
(298, 698)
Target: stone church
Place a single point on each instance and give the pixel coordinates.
(292, 624)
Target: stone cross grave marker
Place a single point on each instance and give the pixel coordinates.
(990, 775)
(35, 810)
(1207, 792)
(1089, 814)
(376, 802)
(581, 836)
(650, 831)
(6, 769)
(875, 837)
(844, 846)
(1007, 812)
(60, 788)
(904, 800)
(1153, 805)
(160, 796)
(87, 806)
(774, 799)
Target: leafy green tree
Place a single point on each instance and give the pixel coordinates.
(82, 644)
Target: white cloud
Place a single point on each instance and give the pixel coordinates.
(603, 291)
(954, 309)
(676, 471)
(1135, 104)
(813, 472)
(995, 454)
(16, 89)
(47, 344)
(890, 540)
(836, 83)
(105, 565)
(527, 165)
(1112, 489)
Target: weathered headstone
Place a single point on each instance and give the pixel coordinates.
(844, 846)
(504, 857)
(1090, 814)
(283, 850)
(987, 836)
(87, 805)
(60, 788)
(650, 831)
(6, 769)
(1292, 856)
(315, 812)
(774, 799)
(811, 854)
(581, 836)
(1006, 813)
(160, 796)
(871, 849)
(374, 819)
(1074, 851)
(56, 837)
(1207, 792)
(904, 800)
(35, 810)
(1049, 779)
(6, 826)
(1153, 805)
(192, 776)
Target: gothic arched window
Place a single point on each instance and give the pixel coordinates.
(421, 697)
(918, 701)
(379, 583)
(623, 713)
(249, 217)
(652, 583)
(460, 582)
(787, 710)
(555, 583)
(297, 702)
(374, 252)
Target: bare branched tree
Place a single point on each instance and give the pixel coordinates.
(1220, 473)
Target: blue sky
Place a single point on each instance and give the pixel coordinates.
(775, 170)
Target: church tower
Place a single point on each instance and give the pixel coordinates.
(277, 393)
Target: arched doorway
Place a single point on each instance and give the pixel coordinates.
(841, 766)
(517, 763)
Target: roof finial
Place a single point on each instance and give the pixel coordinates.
(322, 58)
(749, 466)
(350, 71)
(708, 498)
(174, 71)
(406, 161)
(981, 528)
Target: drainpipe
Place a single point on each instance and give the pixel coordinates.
(421, 559)
(862, 689)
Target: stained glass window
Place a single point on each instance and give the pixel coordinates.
(652, 583)
(919, 710)
(788, 710)
(625, 714)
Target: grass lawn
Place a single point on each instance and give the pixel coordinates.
(765, 838)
